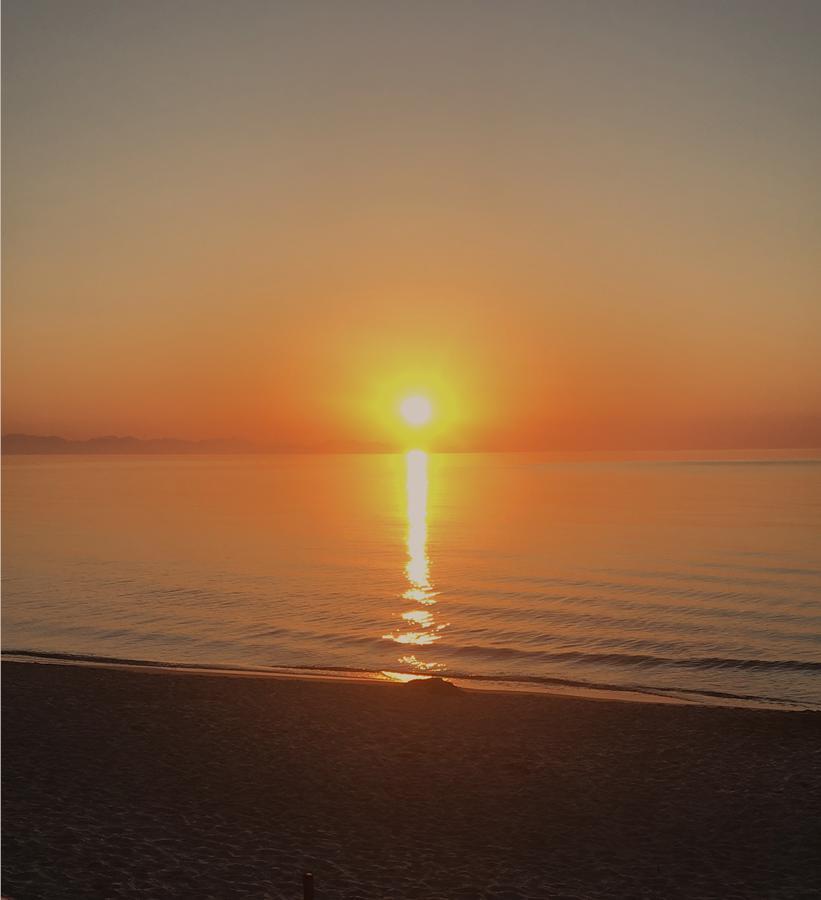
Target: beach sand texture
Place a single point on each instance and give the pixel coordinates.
(152, 784)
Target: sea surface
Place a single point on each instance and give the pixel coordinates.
(694, 577)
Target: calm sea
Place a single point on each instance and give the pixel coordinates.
(695, 578)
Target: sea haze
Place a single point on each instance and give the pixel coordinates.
(691, 577)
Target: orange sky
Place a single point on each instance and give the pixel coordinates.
(575, 225)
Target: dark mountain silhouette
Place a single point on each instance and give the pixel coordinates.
(30, 443)
(111, 444)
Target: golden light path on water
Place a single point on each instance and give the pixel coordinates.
(425, 630)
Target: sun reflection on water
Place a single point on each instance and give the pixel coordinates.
(425, 629)
(405, 677)
(417, 568)
(419, 617)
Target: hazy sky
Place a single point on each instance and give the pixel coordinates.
(573, 223)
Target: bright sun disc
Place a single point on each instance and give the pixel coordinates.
(416, 410)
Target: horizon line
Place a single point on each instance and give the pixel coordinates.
(25, 444)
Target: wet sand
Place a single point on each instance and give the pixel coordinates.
(119, 783)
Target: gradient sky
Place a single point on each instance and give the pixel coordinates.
(575, 224)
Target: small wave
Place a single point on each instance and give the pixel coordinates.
(641, 660)
(630, 660)
(654, 690)
(125, 661)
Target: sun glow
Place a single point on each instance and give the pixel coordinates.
(416, 410)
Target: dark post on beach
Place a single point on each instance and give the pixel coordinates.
(307, 886)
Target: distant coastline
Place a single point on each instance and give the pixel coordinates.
(112, 444)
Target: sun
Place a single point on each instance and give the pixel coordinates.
(416, 410)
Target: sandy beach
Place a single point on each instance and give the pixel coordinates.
(119, 783)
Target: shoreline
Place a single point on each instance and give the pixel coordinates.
(117, 785)
(473, 683)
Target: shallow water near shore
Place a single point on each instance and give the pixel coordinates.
(694, 576)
